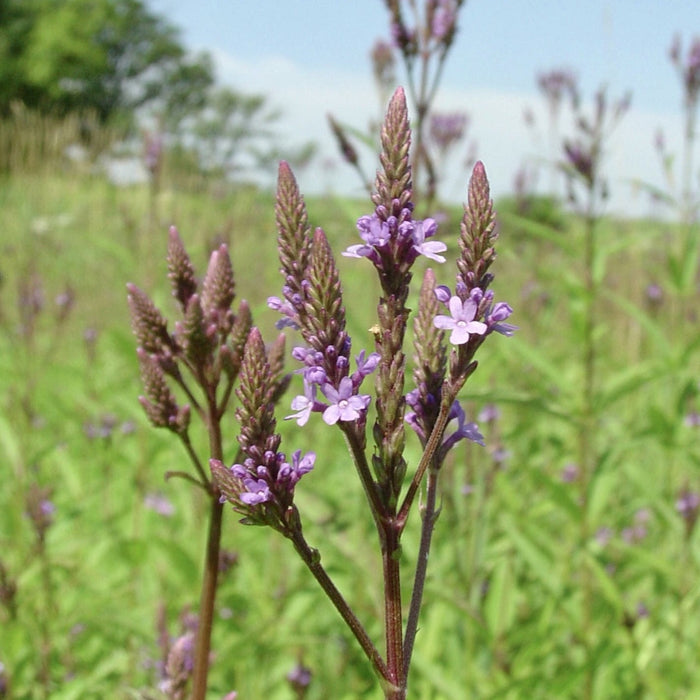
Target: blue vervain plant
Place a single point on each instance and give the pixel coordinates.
(422, 34)
(205, 351)
(261, 486)
(215, 349)
(588, 189)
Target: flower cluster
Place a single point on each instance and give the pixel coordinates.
(444, 20)
(463, 314)
(207, 342)
(259, 483)
(688, 507)
(312, 302)
(387, 241)
(584, 152)
(688, 68)
(557, 83)
(440, 26)
(447, 129)
(261, 486)
(343, 403)
(383, 64)
(417, 420)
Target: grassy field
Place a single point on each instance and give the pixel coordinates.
(530, 594)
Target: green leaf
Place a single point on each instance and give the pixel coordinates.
(500, 605)
(654, 330)
(602, 485)
(627, 381)
(539, 232)
(559, 492)
(528, 542)
(606, 584)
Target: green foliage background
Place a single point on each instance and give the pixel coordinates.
(503, 604)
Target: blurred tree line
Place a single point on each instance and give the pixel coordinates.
(119, 63)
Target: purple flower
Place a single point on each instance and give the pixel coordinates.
(290, 474)
(470, 431)
(425, 229)
(412, 419)
(494, 317)
(365, 366)
(603, 535)
(257, 491)
(159, 503)
(303, 405)
(376, 234)
(687, 504)
(409, 239)
(569, 473)
(638, 530)
(444, 19)
(344, 405)
(461, 321)
(443, 293)
(314, 373)
(556, 84)
(447, 129)
(286, 309)
(152, 151)
(500, 456)
(299, 677)
(490, 413)
(654, 294)
(580, 160)
(692, 420)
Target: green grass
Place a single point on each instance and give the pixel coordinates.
(503, 602)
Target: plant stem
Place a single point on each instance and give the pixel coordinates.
(211, 564)
(429, 451)
(360, 460)
(311, 558)
(586, 432)
(46, 646)
(206, 604)
(393, 617)
(429, 518)
(687, 202)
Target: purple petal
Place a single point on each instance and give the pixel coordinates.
(331, 415)
(444, 322)
(431, 250)
(456, 308)
(459, 335)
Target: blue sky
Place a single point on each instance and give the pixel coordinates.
(312, 57)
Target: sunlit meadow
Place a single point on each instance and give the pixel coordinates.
(565, 555)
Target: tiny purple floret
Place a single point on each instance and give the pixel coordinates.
(461, 321)
(344, 405)
(421, 231)
(257, 492)
(303, 405)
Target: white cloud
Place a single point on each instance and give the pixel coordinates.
(504, 142)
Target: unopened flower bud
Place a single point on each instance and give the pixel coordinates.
(180, 269)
